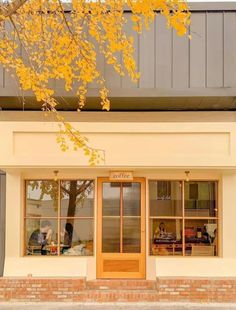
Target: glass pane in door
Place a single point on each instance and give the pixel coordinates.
(111, 217)
(111, 235)
(131, 235)
(131, 217)
(131, 199)
(111, 199)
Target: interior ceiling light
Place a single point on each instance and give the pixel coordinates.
(55, 175)
(187, 176)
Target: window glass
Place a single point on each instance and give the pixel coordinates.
(200, 199)
(201, 237)
(41, 237)
(197, 226)
(165, 198)
(77, 198)
(76, 236)
(41, 198)
(69, 233)
(166, 236)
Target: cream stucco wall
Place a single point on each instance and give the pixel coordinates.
(152, 144)
(151, 150)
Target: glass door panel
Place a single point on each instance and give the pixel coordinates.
(121, 217)
(111, 217)
(131, 235)
(111, 199)
(111, 235)
(131, 217)
(131, 199)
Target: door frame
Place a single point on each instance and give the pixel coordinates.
(122, 256)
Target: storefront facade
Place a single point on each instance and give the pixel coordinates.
(159, 211)
(181, 185)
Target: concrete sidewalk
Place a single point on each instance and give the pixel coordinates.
(117, 306)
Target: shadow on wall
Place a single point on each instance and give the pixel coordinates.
(2, 220)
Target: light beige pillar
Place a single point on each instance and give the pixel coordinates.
(228, 224)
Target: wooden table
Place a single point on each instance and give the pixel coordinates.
(177, 249)
(52, 249)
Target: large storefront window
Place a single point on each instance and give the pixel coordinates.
(59, 217)
(183, 218)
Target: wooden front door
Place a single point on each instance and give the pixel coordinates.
(121, 229)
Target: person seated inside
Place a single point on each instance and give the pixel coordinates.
(45, 236)
(160, 231)
(40, 238)
(67, 236)
(205, 235)
(215, 241)
(33, 239)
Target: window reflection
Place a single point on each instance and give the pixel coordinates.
(165, 198)
(77, 198)
(41, 198)
(200, 199)
(68, 233)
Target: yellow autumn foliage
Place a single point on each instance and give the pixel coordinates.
(45, 43)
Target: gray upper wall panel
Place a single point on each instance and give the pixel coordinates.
(172, 65)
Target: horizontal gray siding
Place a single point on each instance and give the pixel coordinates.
(169, 62)
(2, 220)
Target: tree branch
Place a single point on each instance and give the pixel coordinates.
(10, 9)
(63, 189)
(83, 187)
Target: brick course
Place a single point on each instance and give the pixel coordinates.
(78, 289)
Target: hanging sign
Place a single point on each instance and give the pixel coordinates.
(121, 176)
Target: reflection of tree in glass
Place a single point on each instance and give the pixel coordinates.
(46, 188)
(76, 191)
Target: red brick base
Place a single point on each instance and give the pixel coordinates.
(78, 290)
(197, 289)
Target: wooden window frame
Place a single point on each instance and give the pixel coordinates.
(57, 218)
(184, 218)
